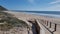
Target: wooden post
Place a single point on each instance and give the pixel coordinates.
(50, 24)
(47, 23)
(55, 27)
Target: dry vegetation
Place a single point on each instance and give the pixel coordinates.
(7, 21)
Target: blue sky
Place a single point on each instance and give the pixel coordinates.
(31, 5)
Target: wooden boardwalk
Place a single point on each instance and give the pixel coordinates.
(49, 27)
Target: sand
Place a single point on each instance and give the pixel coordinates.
(24, 16)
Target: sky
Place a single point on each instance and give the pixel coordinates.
(31, 5)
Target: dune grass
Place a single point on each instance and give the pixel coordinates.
(10, 22)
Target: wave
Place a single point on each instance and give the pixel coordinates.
(42, 14)
(55, 14)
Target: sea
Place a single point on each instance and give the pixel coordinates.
(51, 14)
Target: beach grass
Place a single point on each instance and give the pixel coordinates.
(7, 21)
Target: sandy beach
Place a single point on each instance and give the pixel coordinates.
(24, 16)
(32, 17)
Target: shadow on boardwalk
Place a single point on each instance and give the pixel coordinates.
(34, 28)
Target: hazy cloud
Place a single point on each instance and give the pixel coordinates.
(54, 2)
(31, 1)
(54, 8)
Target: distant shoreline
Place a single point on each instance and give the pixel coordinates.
(25, 16)
(39, 14)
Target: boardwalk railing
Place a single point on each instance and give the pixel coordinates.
(48, 25)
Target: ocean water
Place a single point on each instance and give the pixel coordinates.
(55, 14)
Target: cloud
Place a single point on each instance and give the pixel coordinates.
(54, 2)
(31, 1)
(53, 8)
